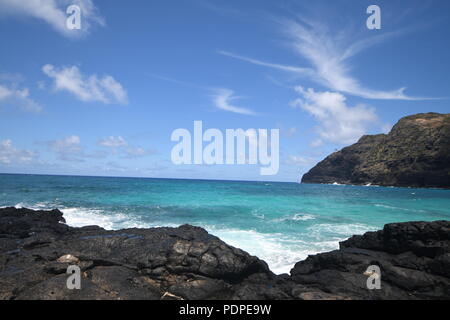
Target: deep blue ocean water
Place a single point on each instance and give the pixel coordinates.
(280, 223)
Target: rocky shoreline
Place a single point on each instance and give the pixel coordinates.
(36, 248)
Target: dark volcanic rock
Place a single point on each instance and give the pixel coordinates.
(184, 262)
(414, 260)
(416, 153)
(36, 248)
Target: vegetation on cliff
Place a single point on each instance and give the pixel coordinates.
(416, 153)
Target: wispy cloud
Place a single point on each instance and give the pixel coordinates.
(53, 12)
(86, 88)
(137, 152)
(302, 71)
(71, 149)
(302, 161)
(113, 142)
(68, 149)
(338, 122)
(222, 97)
(181, 83)
(328, 53)
(9, 155)
(18, 98)
(222, 100)
(120, 145)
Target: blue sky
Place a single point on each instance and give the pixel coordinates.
(105, 99)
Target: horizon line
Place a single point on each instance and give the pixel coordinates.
(130, 177)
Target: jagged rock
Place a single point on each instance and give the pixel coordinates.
(416, 153)
(188, 263)
(413, 257)
(125, 264)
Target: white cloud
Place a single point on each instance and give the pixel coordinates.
(18, 97)
(10, 155)
(135, 152)
(223, 98)
(71, 149)
(71, 143)
(316, 143)
(53, 12)
(301, 161)
(120, 145)
(328, 53)
(305, 71)
(338, 122)
(113, 142)
(4, 93)
(68, 149)
(87, 88)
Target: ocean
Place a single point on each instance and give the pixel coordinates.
(280, 223)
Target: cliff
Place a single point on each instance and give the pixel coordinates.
(37, 247)
(416, 153)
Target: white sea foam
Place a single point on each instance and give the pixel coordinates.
(338, 231)
(80, 217)
(296, 217)
(36, 206)
(302, 217)
(281, 252)
(268, 247)
(259, 215)
(398, 208)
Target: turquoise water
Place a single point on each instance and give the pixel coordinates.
(280, 223)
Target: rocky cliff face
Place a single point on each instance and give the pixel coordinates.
(36, 248)
(413, 257)
(416, 153)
